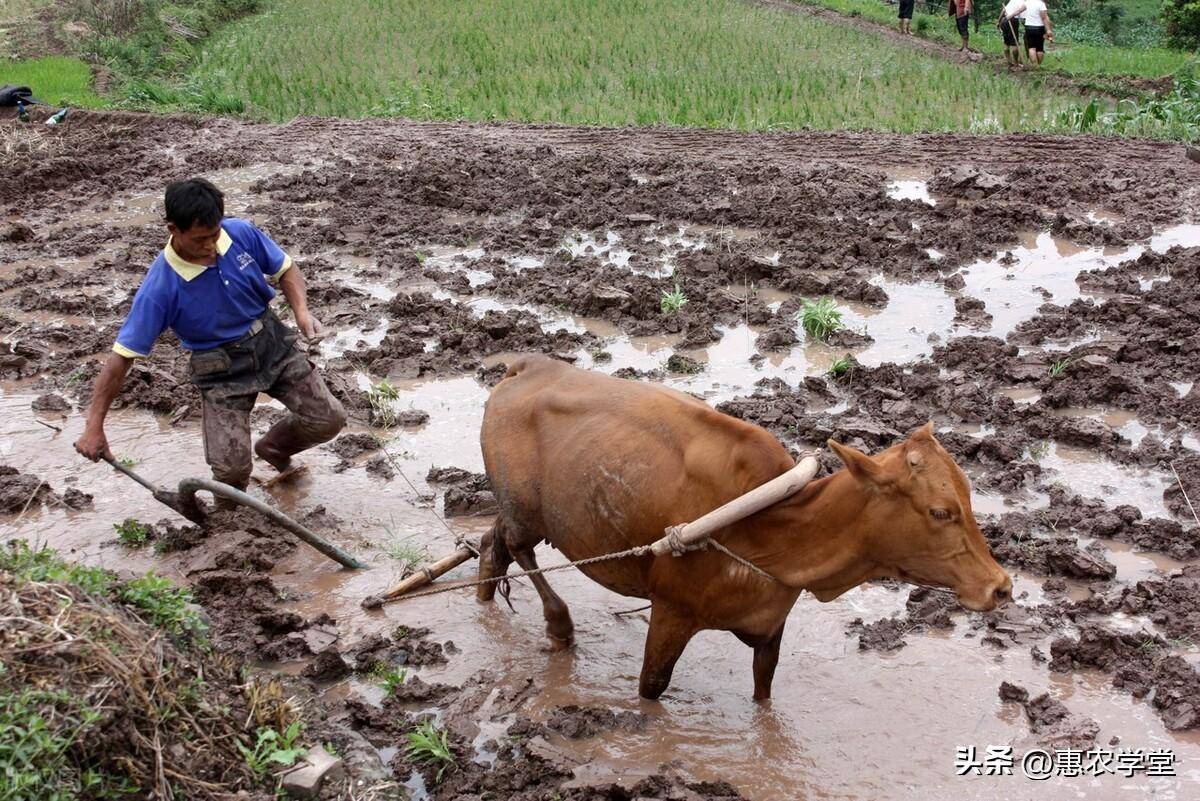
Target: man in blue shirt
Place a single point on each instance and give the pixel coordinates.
(212, 286)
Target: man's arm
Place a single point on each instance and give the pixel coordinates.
(1046, 21)
(92, 443)
(293, 286)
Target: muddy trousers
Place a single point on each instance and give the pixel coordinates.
(269, 362)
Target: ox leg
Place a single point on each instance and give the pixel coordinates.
(766, 657)
(559, 627)
(669, 634)
(494, 559)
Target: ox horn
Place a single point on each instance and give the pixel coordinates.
(681, 538)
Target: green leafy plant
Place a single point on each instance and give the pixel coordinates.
(390, 678)
(271, 748)
(127, 461)
(163, 604)
(1174, 114)
(429, 745)
(45, 565)
(671, 302)
(131, 533)
(40, 728)
(819, 318)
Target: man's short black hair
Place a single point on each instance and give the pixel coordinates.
(195, 200)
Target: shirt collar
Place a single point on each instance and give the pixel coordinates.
(186, 269)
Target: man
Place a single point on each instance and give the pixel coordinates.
(1037, 30)
(1010, 28)
(906, 15)
(212, 285)
(962, 20)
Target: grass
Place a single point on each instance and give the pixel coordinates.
(131, 533)
(402, 550)
(429, 745)
(1074, 59)
(58, 80)
(671, 302)
(820, 318)
(707, 63)
(382, 397)
(97, 703)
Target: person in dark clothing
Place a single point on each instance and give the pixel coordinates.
(906, 15)
(961, 9)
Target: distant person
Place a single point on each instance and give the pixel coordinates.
(1010, 29)
(1037, 30)
(906, 14)
(961, 10)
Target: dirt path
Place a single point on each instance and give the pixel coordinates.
(1047, 77)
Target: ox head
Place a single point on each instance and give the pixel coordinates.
(919, 525)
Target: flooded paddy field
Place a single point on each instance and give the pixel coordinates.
(1044, 321)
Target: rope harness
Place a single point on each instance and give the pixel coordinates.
(640, 550)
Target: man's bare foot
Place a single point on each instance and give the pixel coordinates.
(271, 457)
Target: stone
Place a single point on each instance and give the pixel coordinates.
(317, 767)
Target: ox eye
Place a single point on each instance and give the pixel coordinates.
(940, 514)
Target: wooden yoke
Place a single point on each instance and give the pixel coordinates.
(684, 537)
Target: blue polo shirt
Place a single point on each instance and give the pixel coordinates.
(206, 306)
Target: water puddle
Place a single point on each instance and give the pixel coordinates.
(354, 338)
(1085, 473)
(1134, 566)
(901, 329)
(910, 190)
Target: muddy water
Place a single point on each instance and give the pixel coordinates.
(843, 724)
(832, 729)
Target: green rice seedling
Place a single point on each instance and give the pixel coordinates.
(671, 302)
(1060, 367)
(718, 64)
(429, 745)
(382, 397)
(842, 366)
(390, 678)
(402, 549)
(820, 318)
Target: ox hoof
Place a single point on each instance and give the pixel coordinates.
(555, 644)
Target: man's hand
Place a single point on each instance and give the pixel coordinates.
(310, 327)
(93, 444)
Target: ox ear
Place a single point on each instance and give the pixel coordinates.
(861, 466)
(925, 432)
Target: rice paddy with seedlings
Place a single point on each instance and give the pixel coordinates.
(709, 63)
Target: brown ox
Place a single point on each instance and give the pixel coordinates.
(594, 464)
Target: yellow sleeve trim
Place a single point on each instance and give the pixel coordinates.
(121, 350)
(287, 263)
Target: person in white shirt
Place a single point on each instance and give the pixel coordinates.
(1010, 29)
(1037, 29)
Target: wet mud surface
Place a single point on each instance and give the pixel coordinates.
(1046, 322)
